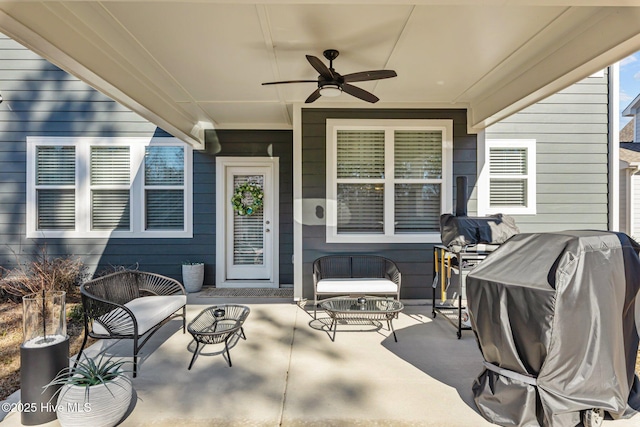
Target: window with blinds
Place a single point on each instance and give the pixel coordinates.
(508, 176)
(100, 187)
(164, 188)
(418, 174)
(387, 181)
(507, 181)
(110, 182)
(55, 176)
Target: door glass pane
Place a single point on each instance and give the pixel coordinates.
(361, 208)
(248, 230)
(417, 208)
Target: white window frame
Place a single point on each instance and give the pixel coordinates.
(83, 188)
(484, 177)
(389, 126)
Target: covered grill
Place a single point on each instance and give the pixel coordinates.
(466, 241)
(554, 318)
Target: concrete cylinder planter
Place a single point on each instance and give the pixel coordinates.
(193, 276)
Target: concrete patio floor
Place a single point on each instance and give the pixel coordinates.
(289, 373)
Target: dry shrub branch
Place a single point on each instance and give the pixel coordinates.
(43, 272)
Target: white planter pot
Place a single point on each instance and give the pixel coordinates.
(104, 406)
(193, 277)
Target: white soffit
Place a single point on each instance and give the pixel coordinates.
(178, 63)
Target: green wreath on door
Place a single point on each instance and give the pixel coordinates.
(247, 198)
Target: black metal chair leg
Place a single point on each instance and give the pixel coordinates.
(84, 342)
(241, 333)
(184, 319)
(226, 347)
(195, 353)
(390, 323)
(135, 356)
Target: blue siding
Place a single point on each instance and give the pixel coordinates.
(414, 260)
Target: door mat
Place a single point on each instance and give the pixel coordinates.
(213, 292)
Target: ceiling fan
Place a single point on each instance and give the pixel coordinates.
(331, 83)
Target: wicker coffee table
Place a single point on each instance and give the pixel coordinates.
(217, 324)
(362, 308)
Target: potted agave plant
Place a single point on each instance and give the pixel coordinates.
(96, 394)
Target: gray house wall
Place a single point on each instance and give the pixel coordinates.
(414, 260)
(571, 129)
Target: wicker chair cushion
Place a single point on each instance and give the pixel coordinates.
(148, 311)
(359, 286)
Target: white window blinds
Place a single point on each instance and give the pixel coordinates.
(110, 183)
(55, 187)
(360, 171)
(104, 187)
(164, 188)
(418, 154)
(418, 173)
(388, 180)
(360, 154)
(508, 176)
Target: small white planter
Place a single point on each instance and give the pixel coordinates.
(193, 277)
(104, 406)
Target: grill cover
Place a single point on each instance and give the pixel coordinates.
(461, 231)
(554, 319)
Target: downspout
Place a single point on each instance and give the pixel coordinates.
(614, 147)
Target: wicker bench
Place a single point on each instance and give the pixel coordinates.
(354, 275)
(130, 305)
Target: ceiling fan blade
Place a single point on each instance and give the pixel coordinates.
(315, 95)
(369, 75)
(320, 67)
(359, 93)
(289, 81)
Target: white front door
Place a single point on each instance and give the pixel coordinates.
(247, 241)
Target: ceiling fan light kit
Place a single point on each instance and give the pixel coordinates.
(331, 83)
(330, 90)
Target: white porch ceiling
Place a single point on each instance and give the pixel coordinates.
(189, 65)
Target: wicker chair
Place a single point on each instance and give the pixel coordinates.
(354, 275)
(130, 305)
